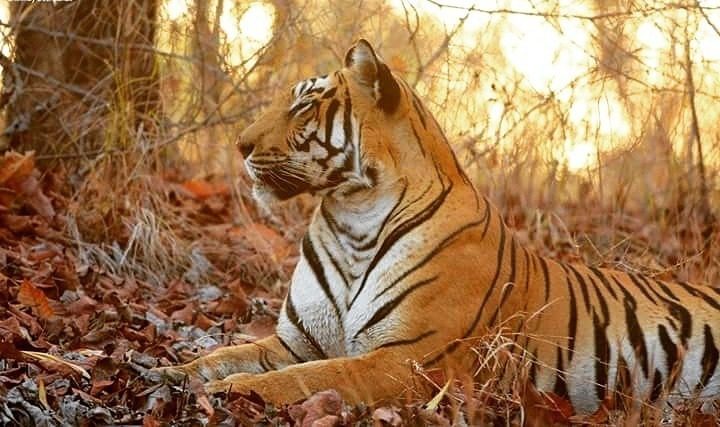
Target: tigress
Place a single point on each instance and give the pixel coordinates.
(405, 261)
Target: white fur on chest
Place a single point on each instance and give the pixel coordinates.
(350, 329)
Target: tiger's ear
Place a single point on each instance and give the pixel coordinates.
(374, 74)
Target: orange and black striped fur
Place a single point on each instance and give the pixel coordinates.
(404, 260)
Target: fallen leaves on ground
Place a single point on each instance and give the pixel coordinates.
(30, 296)
(77, 339)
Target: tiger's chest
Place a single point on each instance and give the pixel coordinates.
(336, 290)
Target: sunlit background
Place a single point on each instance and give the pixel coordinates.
(499, 64)
(569, 85)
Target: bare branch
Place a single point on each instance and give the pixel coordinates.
(667, 7)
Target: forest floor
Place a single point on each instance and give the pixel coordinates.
(81, 323)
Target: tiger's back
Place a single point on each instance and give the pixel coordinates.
(403, 260)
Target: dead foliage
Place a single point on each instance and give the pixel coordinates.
(81, 323)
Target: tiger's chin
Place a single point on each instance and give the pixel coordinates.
(267, 194)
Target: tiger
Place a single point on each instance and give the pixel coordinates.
(404, 261)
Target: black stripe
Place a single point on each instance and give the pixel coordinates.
(583, 286)
(419, 109)
(498, 268)
(401, 230)
(527, 268)
(300, 106)
(289, 350)
(459, 169)
(713, 289)
(513, 259)
(665, 289)
(408, 341)
(546, 277)
(635, 332)
(450, 348)
(335, 265)
(709, 359)
(560, 387)
(329, 93)
(292, 316)
(506, 291)
(337, 228)
(261, 361)
(700, 294)
(534, 263)
(410, 203)
(509, 285)
(672, 352)
(330, 120)
(678, 311)
(356, 242)
(417, 139)
(487, 218)
(639, 285)
(671, 321)
(302, 87)
(628, 297)
(572, 323)
(313, 260)
(439, 247)
(600, 275)
(602, 355)
(601, 298)
(387, 219)
(657, 386)
(347, 121)
(389, 306)
(265, 362)
(602, 345)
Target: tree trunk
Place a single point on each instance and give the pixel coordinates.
(85, 75)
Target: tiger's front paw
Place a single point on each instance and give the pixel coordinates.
(171, 374)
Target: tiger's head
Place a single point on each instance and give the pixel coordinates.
(335, 133)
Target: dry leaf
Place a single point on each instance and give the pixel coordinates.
(150, 421)
(545, 408)
(31, 296)
(203, 189)
(49, 358)
(199, 390)
(15, 168)
(435, 402)
(388, 416)
(42, 394)
(263, 237)
(33, 195)
(324, 407)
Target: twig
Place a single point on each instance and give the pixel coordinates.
(629, 13)
(57, 83)
(442, 48)
(701, 9)
(695, 128)
(211, 120)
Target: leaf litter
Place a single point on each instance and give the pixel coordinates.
(81, 323)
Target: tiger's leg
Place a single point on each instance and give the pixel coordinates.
(380, 374)
(264, 355)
